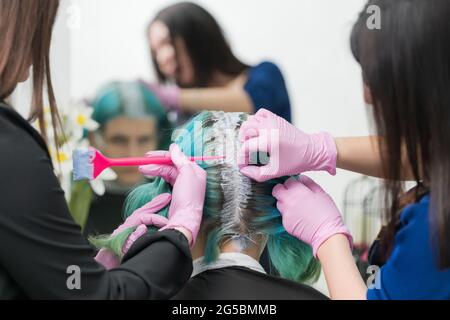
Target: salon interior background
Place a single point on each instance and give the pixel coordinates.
(97, 41)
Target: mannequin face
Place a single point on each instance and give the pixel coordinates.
(125, 137)
(173, 59)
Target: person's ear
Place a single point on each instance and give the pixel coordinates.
(368, 95)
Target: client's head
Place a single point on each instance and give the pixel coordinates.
(132, 122)
(239, 214)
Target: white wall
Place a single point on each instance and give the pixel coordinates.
(60, 60)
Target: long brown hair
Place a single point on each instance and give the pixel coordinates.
(205, 42)
(25, 35)
(406, 65)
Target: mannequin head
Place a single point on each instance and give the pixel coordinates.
(132, 122)
(240, 215)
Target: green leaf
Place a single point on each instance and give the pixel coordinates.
(80, 202)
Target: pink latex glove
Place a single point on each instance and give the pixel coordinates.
(309, 213)
(167, 172)
(141, 218)
(168, 95)
(189, 188)
(291, 151)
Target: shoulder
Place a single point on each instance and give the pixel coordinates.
(414, 254)
(25, 166)
(415, 225)
(414, 232)
(266, 76)
(7, 122)
(245, 284)
(266, 68)
(287, 289)
(18, 139)
(417, 211)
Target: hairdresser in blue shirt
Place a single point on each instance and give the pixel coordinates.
(406, 73)
(44, 255)
(198, 71)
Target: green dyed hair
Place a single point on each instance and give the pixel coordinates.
(234, 204)
(134, 100)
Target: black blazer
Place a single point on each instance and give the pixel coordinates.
(39, 240)
(238, 283)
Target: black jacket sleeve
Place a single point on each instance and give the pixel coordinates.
(40, 244)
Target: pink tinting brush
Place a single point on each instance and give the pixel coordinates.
(88, 164)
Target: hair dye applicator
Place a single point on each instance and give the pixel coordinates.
(89, 163)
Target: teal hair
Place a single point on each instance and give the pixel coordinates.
(249, 209)
(131, 99)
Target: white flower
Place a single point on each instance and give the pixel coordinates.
(80, 119)
(76, 118)
(98, 185)
(62, 163)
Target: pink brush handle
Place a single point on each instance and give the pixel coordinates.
(136, 162)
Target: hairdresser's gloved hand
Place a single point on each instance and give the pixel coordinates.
(189, 187)
(168, 95)
(140, 219)
(168, 172)
(308, 212)
(107, 259)
(291, 151)
(147, 214)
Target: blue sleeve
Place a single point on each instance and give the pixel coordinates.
(412, 271)
(267, 89)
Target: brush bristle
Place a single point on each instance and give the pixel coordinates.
(83, 168)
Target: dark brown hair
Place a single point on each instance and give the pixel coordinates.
(406, 65)
(204, 39)
(25, 36)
